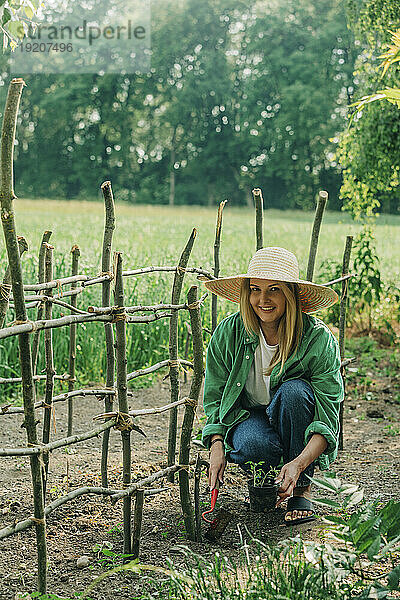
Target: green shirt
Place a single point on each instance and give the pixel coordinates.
(316, 360)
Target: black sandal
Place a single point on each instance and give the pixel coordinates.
(299, 503)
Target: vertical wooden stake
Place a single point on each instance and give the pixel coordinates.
(5, 287)
(321, 203)
(197, 515)
(259, 204)
(190, 410)
(173, 349)
(342, 323)
(7, 217)
(72, 340)
(48, 348)
(188, 336)
(40, 310)
(137, 526)
(217, 244)
(122, 388)
(109, 226)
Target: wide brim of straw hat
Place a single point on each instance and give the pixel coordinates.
(313, 297)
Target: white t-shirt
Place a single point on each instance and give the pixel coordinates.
(257, 384)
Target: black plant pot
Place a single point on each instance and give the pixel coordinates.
(262, 498)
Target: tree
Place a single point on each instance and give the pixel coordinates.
(239, 94)
(369, 148)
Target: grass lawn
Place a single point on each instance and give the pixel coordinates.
(155, 235)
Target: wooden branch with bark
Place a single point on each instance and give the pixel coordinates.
(173, 348)
(75, 252)
(319, 213)
(190, 410)
(5, 287)
(259, 206)
(109, 227)
(40, 309)
(7, 217)
(217, 245)
(120, 355)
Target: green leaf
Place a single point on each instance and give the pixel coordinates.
(385, 549)
(374, 548)
(348, 488)
(6, 16)
(355, 498)
(327, 484)
(390, 520)
(365, 529)
(28, 12)
(334, 519)
(16, 29)
(394, 578)
(326, 502)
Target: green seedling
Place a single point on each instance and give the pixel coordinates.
(391, 430)
(260, 475)
(116, 529)
(106, 558)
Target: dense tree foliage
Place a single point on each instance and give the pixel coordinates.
(369, 149)
(239, 95)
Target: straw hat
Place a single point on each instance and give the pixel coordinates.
(277, 264)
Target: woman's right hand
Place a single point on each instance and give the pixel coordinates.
(217, 464)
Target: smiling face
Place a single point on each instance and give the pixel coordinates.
(267, 300)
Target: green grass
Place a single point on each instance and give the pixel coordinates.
(155, 235)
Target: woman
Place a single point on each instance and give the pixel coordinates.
(273, 386)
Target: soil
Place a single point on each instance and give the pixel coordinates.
(371, 458)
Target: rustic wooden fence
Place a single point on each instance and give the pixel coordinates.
(40, 296)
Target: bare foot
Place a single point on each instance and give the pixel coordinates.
(304, 492)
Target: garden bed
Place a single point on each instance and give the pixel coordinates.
(90, 526)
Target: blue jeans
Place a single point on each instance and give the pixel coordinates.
(276, 432)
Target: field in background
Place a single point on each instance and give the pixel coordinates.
(155, 235)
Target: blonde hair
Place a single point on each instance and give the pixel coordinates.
(290, 327)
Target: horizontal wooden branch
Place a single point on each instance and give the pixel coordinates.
(7, 409)
(96, 280)
(97, 392)
(36, 298)
(48, 285)
(340, 279)
(155, 367)
(100, 310)
(167, 269)
(139, 484)
(101, 392)
(64, 377)
(87, 281)
(98, 491)
(67, 441)
(156, 411)
(30, 326)
(143, 411)
(67, 293)
(148, 319)
(56, 300)
(347, 361)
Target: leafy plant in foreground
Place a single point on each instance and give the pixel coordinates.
(281, 571)
(371, 531)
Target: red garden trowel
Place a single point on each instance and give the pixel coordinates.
(220, 521)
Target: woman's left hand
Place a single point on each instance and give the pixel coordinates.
(288, 478)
